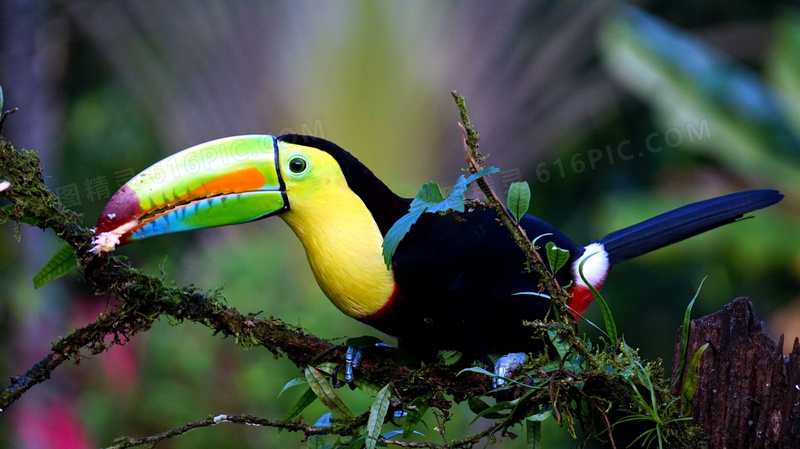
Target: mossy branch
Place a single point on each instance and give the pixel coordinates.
(142, 299)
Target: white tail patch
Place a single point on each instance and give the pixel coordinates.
(595, 268)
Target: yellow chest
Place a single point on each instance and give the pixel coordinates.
(343, 245)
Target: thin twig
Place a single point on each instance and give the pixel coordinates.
(475, 163)
(294, 426)
(605, 418)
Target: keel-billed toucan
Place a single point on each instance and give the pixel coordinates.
(454, 279)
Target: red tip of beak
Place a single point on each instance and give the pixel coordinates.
(122, 208)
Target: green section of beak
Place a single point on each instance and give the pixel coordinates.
(221, 182)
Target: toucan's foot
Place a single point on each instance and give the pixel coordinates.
(352, 358)
(505, 365)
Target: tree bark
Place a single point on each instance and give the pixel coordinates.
(747, 393)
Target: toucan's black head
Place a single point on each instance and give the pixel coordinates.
(386, 207)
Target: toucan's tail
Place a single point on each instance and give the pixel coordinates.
(683, 223)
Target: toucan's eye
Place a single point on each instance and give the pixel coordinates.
(297, 165)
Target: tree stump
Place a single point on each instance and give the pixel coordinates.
(748, 393)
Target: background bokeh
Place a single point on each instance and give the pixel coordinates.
(612, 114)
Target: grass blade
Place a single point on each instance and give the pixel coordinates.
(690, 382)
(611, 327)
(687, 316)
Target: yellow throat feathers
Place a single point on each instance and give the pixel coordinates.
(341, 239)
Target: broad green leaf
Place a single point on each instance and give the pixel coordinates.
(318, 441)
(687, 316)
(370, 388)
(477, 405)
(430, 192)
(328, 367)
(519, 199)
(305, 400)
(534, 434)
(556, 257)
(324, 391)
(541, 415)
(421, 204)
(611, 327)
(416, 411)
(62, 262)
(396, 233)
(455, 199)
(293, 383)
(495, 411)
(690, 382)
(561, 347)
(377, 413)
(450, 358)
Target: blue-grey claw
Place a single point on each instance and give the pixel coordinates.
(505, 365)
(351, 360)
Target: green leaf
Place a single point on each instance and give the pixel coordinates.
(561, 347)
(62, 262)
(328, 367)
(494, 412)
(324, 391)
(690, 382)
(305, 400)
(455, 199)
(293, 383)
(397, 232)
(450, 358)
(377, 413)
(481, 173)
(370, 388)
(519, 199)
(422, 203)
(611, 327)
(556, 257)
(534, 431)
(430, 192)
(416, 411)
(477, 405)
(541, 415)
(687, 316)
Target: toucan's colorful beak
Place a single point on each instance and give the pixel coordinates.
(221, 182)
